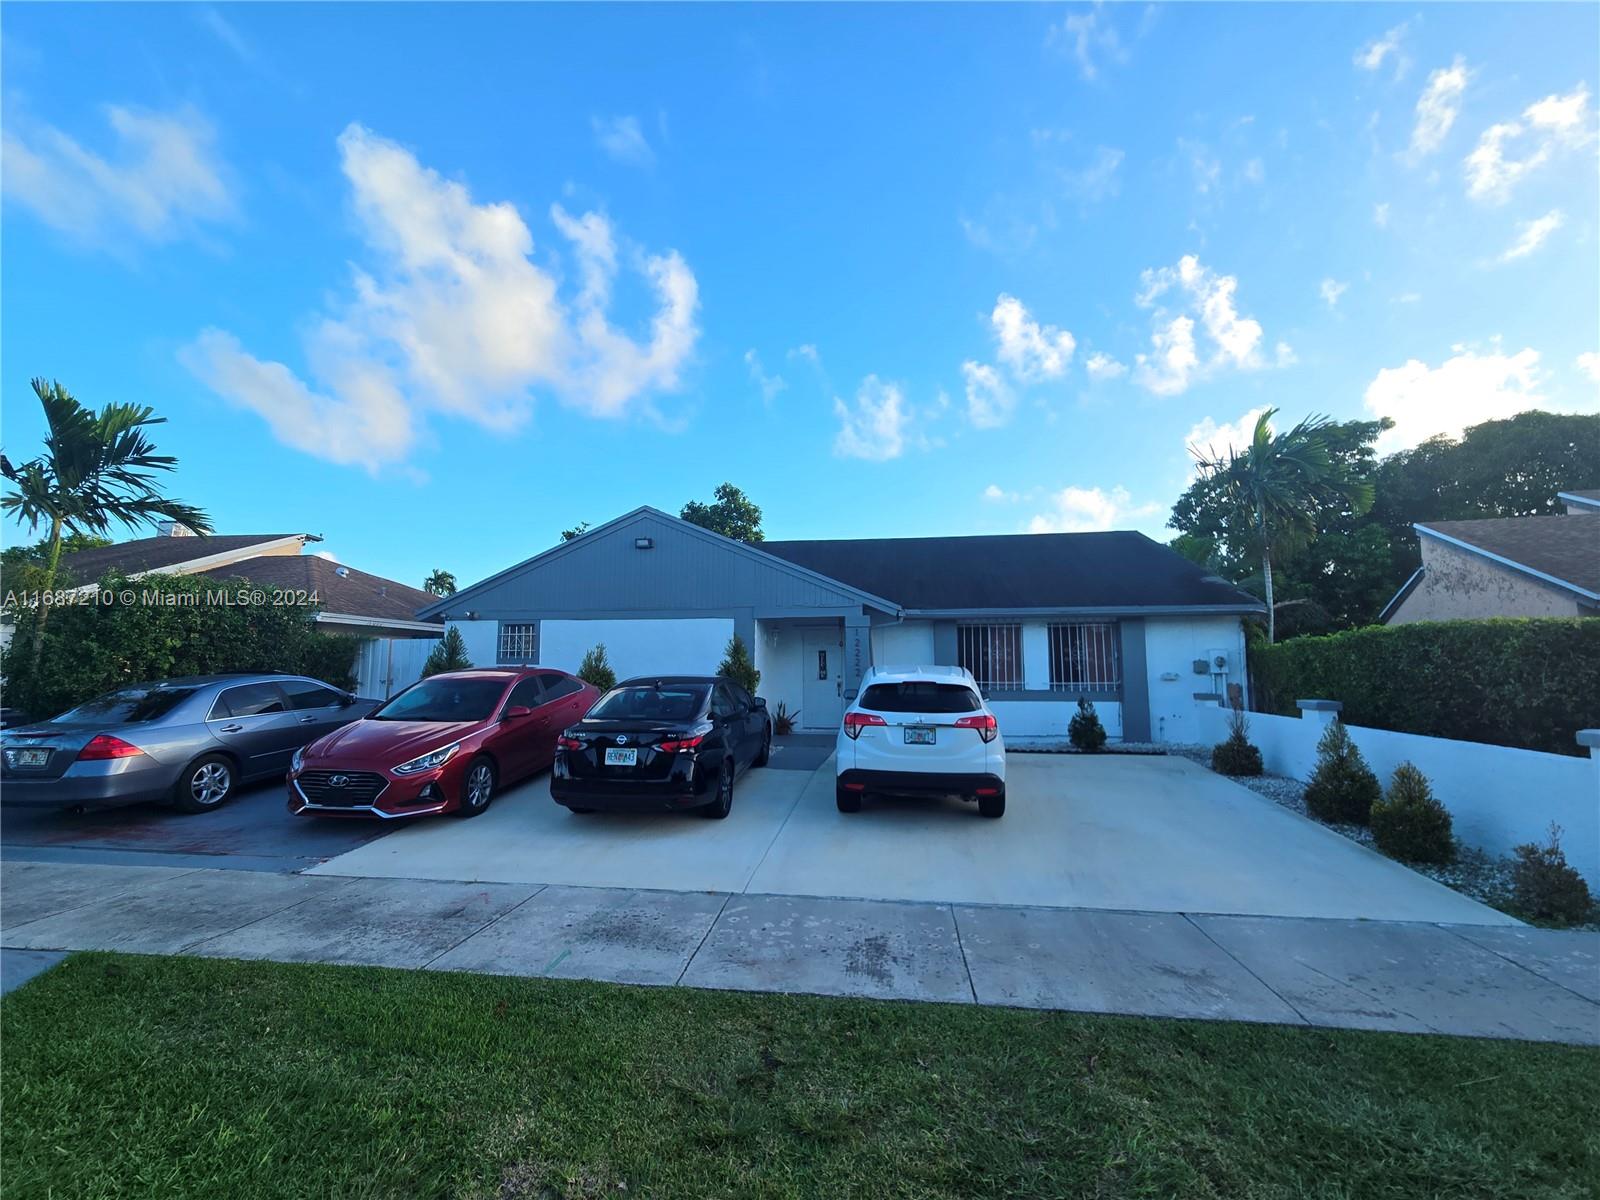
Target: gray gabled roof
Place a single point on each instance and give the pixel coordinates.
(1562, 550)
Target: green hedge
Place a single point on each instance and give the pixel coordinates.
(91, 648)
(1526, 682)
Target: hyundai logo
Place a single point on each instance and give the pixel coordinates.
(622, 739)
(338, 780)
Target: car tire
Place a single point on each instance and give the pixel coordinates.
(576, 809)
(205, 784)
(720, 807)
(993, 807)
(847, 801)
(765, 756)
(477, 788)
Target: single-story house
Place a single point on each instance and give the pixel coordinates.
(1502, 567)
(382, 612)
(1039, 619)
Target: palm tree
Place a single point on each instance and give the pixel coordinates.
(96, 471)
(440, 583)
(1277, 485)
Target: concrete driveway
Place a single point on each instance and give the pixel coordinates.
(1150, 834)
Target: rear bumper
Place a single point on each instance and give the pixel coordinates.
(105, 788)
(921, 783)
(646, 795)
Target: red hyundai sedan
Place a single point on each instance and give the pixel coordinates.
(442, 745)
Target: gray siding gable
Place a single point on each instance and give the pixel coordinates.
(688, 570)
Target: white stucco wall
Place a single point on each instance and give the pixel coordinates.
(777, 656)
(688, 646)
(907, 644)
(1498, 797)
(1029, 721)
(482, 639)
(1171, 646)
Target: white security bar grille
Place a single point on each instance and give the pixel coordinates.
(1084, 657)
(519, 642)
(993, 653)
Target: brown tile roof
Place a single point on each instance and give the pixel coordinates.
(355, 593)
(158, 553)
(1565, 548)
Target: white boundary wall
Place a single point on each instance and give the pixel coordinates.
(1498, 797)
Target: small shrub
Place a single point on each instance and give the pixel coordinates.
(449, 655)
(596, 670)
(1409, 823)
(736, 665)
(1343, 788)
(783, 721)
(1545, 887)
(1084, 730)
(1236, 756)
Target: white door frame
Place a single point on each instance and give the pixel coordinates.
(821, 702)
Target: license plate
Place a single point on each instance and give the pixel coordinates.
(28, 758)
(622, 758)
(919, 735)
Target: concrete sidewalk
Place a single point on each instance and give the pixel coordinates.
(1474, 980)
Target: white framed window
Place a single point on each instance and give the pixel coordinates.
(993, 653)
(519, 643)
(1084, 657)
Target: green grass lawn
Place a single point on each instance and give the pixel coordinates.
(169, 1077)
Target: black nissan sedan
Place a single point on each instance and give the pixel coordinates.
(662, 744)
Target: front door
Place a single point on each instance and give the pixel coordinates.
(822, 664)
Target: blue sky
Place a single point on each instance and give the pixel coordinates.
(438, 282)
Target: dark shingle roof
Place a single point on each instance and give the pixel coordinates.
(354, 593)
(156, 553)
(1119, 570)
(1566, 548)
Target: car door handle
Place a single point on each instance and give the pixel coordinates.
(307, 720)
(232, 728)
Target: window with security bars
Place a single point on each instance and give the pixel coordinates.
(519, 642)
(993, 653)
(1084, 657)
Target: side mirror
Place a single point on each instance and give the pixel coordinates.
(346, 700)
(516, 712)
(760, 703)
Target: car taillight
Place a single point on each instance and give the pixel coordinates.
(566, 743)
(988, 728)
(855, 722)
(673, 745)
(103, 745)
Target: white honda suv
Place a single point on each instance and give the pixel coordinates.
(921, 730)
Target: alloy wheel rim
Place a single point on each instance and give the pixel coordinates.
(210, 783)
(478, 787)
(726, 787)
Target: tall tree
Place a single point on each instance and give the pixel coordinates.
(97, 471)
(439, 583)
(1273, 489)
(732, 514)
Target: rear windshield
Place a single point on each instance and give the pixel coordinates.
(444, 700)
(666, 703)
(130, 706)
(919, 696)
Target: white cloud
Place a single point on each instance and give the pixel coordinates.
(1215, 440)
(1204, 302)
(1101, 365)
(1284, 355)
(164, 178)
(1093, 41)
(1532, 234)
(454, 316)
(1032, 351)
(1099, 179)
(1380, 215)
(1331, 290)
(623, 140)
(769, 385)
(1589, 363)
(1467, 389)
(1087, 510)
(875, 428)
(1254, 171)
(989, 400)
(996, 494)
(1371, 56)
(1205, 166)
(1550, 125)
(1437, 107)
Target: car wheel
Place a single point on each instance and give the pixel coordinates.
(477, 789)
(848, 801)
(723, 804)
(205, 784)
(765, 756)
(992, 806)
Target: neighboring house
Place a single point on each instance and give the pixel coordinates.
(1581, 504)
(1504, 567)
(377, 610)
(1039, 619)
